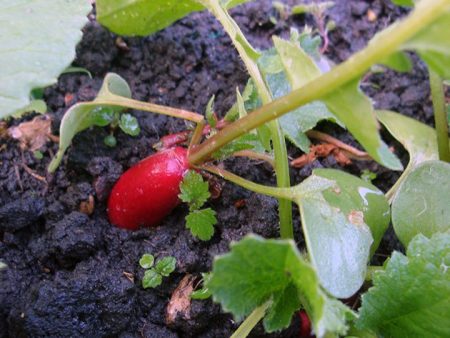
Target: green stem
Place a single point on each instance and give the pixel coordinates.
(380, 47)
(279, 146)
(284, 193)
(120, 101)
(251, 321)
(440, 116)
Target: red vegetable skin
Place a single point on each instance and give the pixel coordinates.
(148, 191)
(305, 325)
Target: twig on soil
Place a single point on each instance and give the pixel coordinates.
(353, 153)
(33, 173)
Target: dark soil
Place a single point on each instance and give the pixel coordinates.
(73, 275)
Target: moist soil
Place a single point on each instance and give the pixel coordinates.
(75, 275)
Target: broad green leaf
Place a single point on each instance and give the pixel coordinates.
(422, 204)
(398, 61)
(299, 66)
(84, 115)
(408, 3)
(37, 42)
(38, 106)
(70, 70)
(129, 125)
(355, 110)
(194, 190)
(247, 141)
(147, 261)
(433, 43)
(166, 266)
(201, 223)
(340, 224)
(411, 298)
(285, 303)
(347, 103)
(258, 270)
(297, 122)
(143, 17)
(151, 279)
(352, 195)
(417, 138)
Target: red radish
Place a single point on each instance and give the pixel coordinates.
(305, 325)
(148, 191)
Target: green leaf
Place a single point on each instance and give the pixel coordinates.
(417, 138)
(102, 116)
(204, 292)
(297, 122)
(285, 303)
(355, 110)
(209, 113)
(247, 141)
(143, 17)
(433, 43)
(347, 103)
(201, 223)
(38, 106)
(147, 261)
(258, 270)
(3, 265)
(232, 3)
(422, 204)
(408, 3)
(411, 298)
(166, 266)
(151, 279)
(340, 223)
(84, 115)
(37, 42)
(70, 70)
(194, 190)
(129, 125)
(398, 61)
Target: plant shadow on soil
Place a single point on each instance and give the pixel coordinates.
(73, 275)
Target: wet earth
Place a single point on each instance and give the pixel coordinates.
(71, 273)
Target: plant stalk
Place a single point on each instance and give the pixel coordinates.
(380, 47)
(284, 193)
(124, 102)
(250, 322)
(440, 115)
(278, 142)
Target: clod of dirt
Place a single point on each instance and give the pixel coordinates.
(76, 304)
(105, 172)
(70, 240)
(21, 213)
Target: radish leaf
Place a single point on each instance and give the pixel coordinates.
(411, 297)
(421, 205)
(258, 270)
(37, 43)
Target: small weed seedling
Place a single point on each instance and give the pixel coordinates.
(154, 273)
